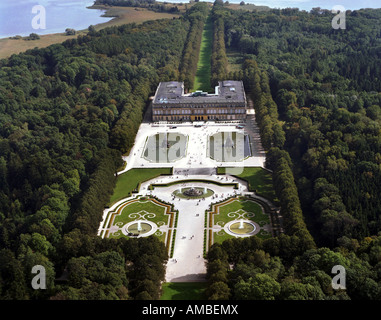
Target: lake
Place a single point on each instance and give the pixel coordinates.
(16, 16)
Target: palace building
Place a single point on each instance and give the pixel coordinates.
(170, 103)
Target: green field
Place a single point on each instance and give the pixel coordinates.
(129, 181)
(260, 181)
(203, 74)
(183, 291)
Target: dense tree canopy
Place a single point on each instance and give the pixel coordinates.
(68, 111)
(325, 83)
(316, 98)
(66, 114)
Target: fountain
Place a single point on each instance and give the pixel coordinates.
(138, 228)
(193, 192)
(241, 227)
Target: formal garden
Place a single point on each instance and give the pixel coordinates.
(237, 217)
(143, 216)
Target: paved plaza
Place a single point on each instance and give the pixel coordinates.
(197, 147)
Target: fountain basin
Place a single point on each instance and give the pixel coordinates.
(142, 229)
(193, 192)
(139, 228)
(241, 228)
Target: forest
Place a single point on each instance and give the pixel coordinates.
(149, 4)
(317, 100)
(67, 113)
(188, 63)
(328, 99)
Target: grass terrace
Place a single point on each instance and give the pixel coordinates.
(183, 291)
(130, 181)
(260, 181)
(203, 74)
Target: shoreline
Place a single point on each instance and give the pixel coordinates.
(118, 16)
(98, 7)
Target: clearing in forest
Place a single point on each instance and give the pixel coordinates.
(203, 74)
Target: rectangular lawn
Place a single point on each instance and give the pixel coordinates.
(260, 181)
(183, 291)
(203, 74)
(129, 181)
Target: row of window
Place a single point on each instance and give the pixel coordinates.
(197, 106)
(208, 111)
(188, 118)
(224, 111)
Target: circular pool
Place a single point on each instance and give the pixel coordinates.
(241, 228)
(139, 228)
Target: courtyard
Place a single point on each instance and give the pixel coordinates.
(165, 147)
(191, 149)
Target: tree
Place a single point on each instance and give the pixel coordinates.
(293, 290)
(12, 277)
(259, 287)
(91, 30)
(31, 259)
(218, 291)
(33, 36)
(40, 244)
(71, 32)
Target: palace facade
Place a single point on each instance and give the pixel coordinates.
(170, 103)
